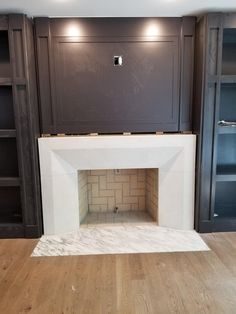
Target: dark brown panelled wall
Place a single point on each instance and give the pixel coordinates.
(95, 75)
(114, 75)
(117, 75)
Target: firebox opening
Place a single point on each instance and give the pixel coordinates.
(118, 196)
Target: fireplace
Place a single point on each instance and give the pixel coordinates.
(118, 195)
(154, 174)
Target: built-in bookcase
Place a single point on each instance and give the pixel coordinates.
(10, 187)
(225, 151)
(19, 188)
(215, 122)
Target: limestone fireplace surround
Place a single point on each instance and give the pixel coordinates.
(62, 157)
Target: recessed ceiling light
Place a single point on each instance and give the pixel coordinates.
(152, 30)
(73, 30)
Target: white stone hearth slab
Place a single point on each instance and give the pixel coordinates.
(120, 239)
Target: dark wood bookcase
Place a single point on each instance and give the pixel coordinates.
(215, 122)
(20, 210)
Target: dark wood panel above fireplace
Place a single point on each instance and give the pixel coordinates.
(113, 75)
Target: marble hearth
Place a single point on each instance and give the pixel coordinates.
(63, 159)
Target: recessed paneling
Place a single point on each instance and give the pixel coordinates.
(91, 90)
(186, 87)
(19, 54)
(213, 50)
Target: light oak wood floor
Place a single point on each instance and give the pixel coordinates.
(200, 282)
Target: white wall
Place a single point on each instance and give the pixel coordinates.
(115, 8)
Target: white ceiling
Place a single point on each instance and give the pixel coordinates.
(115, 7)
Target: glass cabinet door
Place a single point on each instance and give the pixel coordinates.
(225, 185)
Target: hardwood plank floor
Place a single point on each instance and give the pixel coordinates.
(196, 282)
